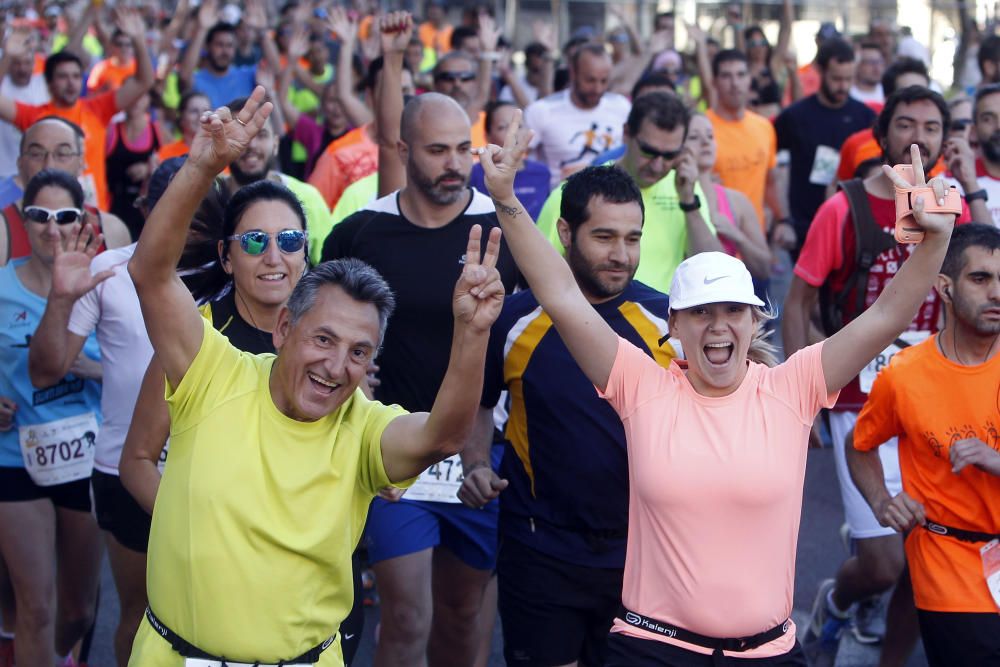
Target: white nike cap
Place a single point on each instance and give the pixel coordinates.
(711, 277)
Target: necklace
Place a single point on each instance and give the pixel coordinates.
(954, 347)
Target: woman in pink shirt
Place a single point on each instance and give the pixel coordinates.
(717, 443)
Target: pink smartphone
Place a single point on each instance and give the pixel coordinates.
(907, 229)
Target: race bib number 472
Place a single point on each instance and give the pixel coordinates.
(59, 451)
(439, 483)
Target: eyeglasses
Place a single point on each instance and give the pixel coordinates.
(61, 155)
(452, 77)
(651, 153)
(62, 216)
(255, 242)
(756, 42)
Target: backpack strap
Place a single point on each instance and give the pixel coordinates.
(870, 241)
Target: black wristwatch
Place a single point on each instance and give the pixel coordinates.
(692, 207)
(978, 194)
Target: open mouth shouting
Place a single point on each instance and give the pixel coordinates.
(719, 354)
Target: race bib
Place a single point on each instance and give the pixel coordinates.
(825, 164)
(59, 451)
(439, 483)
(868, 373)
(990, 553)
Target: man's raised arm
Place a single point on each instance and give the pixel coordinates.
(172, 319)
(412, 442)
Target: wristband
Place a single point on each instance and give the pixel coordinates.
(490, 55)
(691, 207)
(978, 194)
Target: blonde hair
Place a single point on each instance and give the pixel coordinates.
(762, 350)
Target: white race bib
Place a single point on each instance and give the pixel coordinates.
(868, 373)
(59, 451)
(825, 164)
(439, 483)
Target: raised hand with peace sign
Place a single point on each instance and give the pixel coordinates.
(223, 136)
(500, 163)
(479, 292)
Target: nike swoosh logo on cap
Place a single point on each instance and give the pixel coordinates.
(709, 281)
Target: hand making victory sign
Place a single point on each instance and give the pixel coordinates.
(223, 136)
(500, 163)
(479, 292)
(932, 223)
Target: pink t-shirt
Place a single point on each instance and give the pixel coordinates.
(715, 494)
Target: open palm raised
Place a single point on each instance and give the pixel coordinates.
(222, 137)
(71, 277)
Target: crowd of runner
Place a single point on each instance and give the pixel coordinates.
(296, 297)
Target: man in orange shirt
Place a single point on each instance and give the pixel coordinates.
(112, 72)
(64, 77)
(435, 32)
(949, 453)
(747, 144)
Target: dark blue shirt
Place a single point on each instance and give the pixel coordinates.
(566, 460)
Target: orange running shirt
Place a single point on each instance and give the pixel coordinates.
(175, 149)
(108, 76)
(92, 114)
(747, 149)
(340, 165)
(715, 494)
(930, 403)
(437, 40)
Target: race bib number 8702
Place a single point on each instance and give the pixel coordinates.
(59, 451)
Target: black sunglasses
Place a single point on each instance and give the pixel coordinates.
(455, 76)
(255, 242)
(651, 153)
(62, 216)
(960, 124)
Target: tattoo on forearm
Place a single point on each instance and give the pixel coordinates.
(510, 211)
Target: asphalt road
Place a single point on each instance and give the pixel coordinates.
(820, 553)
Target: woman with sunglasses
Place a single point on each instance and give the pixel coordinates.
(261, 254)
(48, 537)
(732, 213)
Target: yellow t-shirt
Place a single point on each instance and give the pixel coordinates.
(257, 515)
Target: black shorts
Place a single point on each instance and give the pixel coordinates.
(553, 612)
(960, 639)
(625, 651)
(119, 513)
(16, 485)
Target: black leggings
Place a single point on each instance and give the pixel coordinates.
(957, 639)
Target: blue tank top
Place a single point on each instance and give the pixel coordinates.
(20, 313)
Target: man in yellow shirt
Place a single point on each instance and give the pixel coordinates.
(274, 459)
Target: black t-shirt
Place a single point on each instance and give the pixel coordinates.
(243, 335)
(421, 266)
(802, 128)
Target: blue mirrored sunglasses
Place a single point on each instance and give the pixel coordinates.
(255, 242)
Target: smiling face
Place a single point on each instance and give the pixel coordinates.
(264, 281)
(323, 357)
(715, 338)
(257, 159)
(43, 236)
(604, 252)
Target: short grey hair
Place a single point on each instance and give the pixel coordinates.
(360, 281)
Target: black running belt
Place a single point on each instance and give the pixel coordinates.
(736, 644)
(960, 533)
(188, 650)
